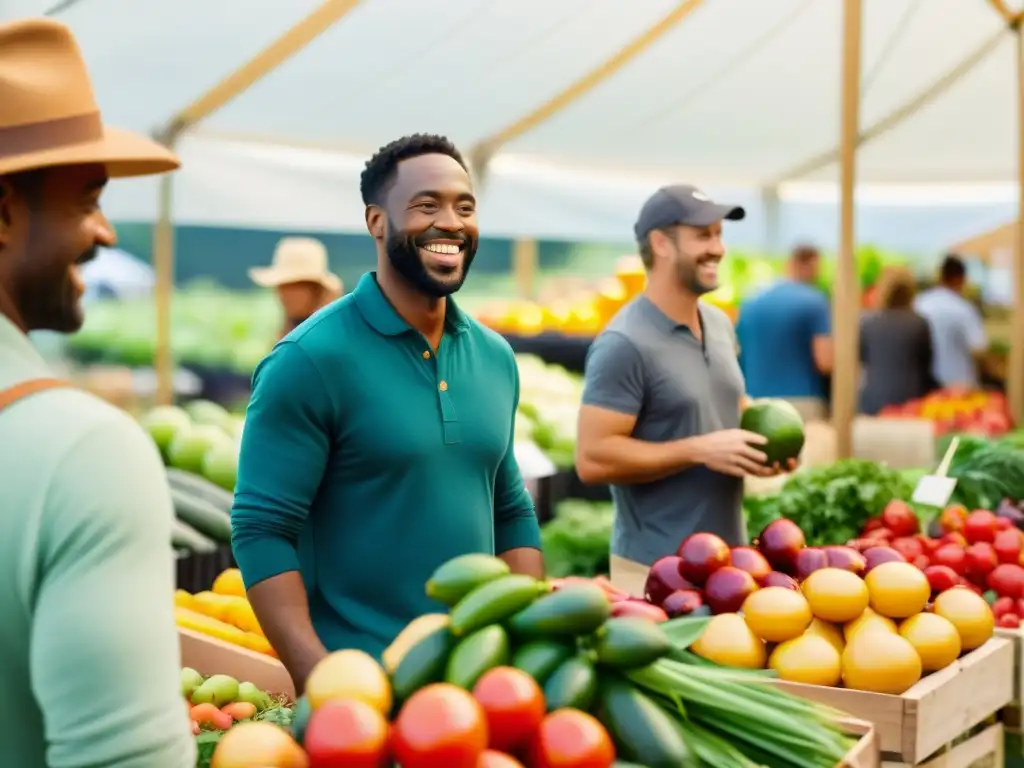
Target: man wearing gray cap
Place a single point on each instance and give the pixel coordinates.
(661, 400)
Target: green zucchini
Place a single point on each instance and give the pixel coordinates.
(459, 576)
(210, 521)
(642, 730)
(629, 642)
(572, 684)
(483, 650)
(185, 537)
(540, 658)
(198, 486)
(571, 611)
(422, 664)
(494, 602)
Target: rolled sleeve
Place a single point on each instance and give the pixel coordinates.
(614, 375)
(285, 446)
(515, 518)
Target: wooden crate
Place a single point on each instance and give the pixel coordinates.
(210, 656)
(1012, 716)
(865, 753)
(914, 726)
(982, 750)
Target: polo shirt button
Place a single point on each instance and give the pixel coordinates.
(426, 354)
(443, 386)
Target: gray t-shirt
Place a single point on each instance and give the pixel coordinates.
(646, 365)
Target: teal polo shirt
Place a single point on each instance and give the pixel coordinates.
(367, 460)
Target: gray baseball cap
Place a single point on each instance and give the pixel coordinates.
(682, 204)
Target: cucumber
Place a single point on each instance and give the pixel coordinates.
(629, 642)
(494, 602)
(642, 731)
(207, 519)
(182, 536)
(483, 650)
(540, 658)
(572, 684)
(571, 611)
(456, 578)
(422, 664)
(199, 486)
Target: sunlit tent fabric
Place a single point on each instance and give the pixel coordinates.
(737, 92)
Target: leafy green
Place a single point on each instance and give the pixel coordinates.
(576, 541)
(832, 503)
(986, 473)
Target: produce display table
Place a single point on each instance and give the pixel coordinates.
(570, 352)
(210, 656)
(1012, 715)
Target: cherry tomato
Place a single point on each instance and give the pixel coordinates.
(1004, 605)
(980, 525)
(514, 705)
(347, 733)
(899, 518)
(492, 759)
(440, 726)
(568, 738)
(1007, 545)
(1009, 621)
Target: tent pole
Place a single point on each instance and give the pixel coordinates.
(1015, 374)
(525, 257)
(481, 153)
(163, 263)
(232, 86)
(846, 305)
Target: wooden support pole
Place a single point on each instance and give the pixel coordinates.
(163, 263)
(525, 257)
(1015, 372)
(846, 304)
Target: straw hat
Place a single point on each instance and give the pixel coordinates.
(48, 112)
(297, 260)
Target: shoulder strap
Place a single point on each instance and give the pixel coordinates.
(9, 397)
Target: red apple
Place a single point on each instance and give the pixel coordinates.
(941, 578)
(682, 602)
(809, 560)
(847, 558)
(779, 542)
(727, 588)
(664, 578)
(878, 555)
(777, 579)
(750, 560)
(702, 554)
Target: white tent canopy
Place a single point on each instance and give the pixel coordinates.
(737, 92)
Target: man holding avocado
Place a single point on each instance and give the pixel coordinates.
(663, 389)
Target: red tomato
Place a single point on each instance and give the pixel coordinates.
(514, 706)
(1007, 545)
(1009, 621)
(568, 738)
(980, 525)
(952, 518)
(873, 524)
(981, 559)
(1007, 580)
(899, 518)
(347, 733)
(492, 759)
(1004, 605)
(909, 547)
(440, 726)
(953, 538)
(952, 556)
(941, 578)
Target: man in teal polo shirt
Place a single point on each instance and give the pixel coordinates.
(379, 438)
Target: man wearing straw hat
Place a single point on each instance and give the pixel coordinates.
(301, 277)
(90, 660)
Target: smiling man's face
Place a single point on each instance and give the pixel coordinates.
(432, 230)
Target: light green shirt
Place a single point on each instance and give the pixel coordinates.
(89, 656)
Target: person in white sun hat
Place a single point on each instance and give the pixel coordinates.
(303, 280)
